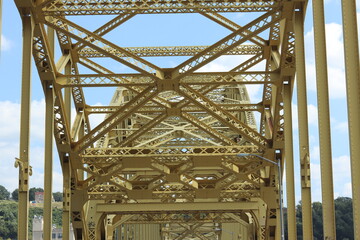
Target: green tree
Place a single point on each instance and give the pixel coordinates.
(32, 192)
(317, 221)
(4, 193)
(57, 217)
(15, 195)
(299, 221)
(8, 219)
(58, 196)
(344, 218)
(9, 214)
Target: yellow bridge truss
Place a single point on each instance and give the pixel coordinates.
(179, 153)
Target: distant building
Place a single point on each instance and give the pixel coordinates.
(37, 230)
(39, 197)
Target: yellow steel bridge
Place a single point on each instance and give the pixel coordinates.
(180, 153)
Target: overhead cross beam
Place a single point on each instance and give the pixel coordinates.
(95, 7)
(171, 51)
(130, 80)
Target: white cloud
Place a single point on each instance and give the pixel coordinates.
(315, 172)
(6, 44)
(9, 143)
(335, 60)
(223, 63)
(341, 167)
(342, 175)
(312, 115)
(8, 173)
(254, 91)
(341, 178)
(315, 182)
(340, 126)
(226, 63)
(37, 179)
(347, 190)
(315, 153)
(10, 120)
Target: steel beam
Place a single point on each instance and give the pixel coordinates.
(239, 107)
(66, 218)
(171, 51)
(289, 163)
(94, 7)
(324, 121)
(48, 151)
(23, 161)
(130, 80)
(303, 127)
(48, 168)
(351, 49)
(138, 208)
(116, 153)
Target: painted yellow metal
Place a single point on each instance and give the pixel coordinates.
(303, 127)
(289, 164)
(103, 7)
(175, 155)
(66, 196)
(324, 121)
(139, 231)
(48, 176)
(24, 162)
(48, 151)
(351, 47)
(88, 52)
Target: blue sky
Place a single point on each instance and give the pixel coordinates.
(10, 72)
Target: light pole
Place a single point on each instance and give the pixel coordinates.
(278, 164)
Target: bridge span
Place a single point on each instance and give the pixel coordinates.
(180, 151)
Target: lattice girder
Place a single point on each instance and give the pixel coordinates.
(174, 136)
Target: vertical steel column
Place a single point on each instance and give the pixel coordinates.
(48, 166)
(324, 121)
(66, 166)
(289, 164)
(303, 127)
(66, 197)
(351, 49)
(48, 176)
(24, 167)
